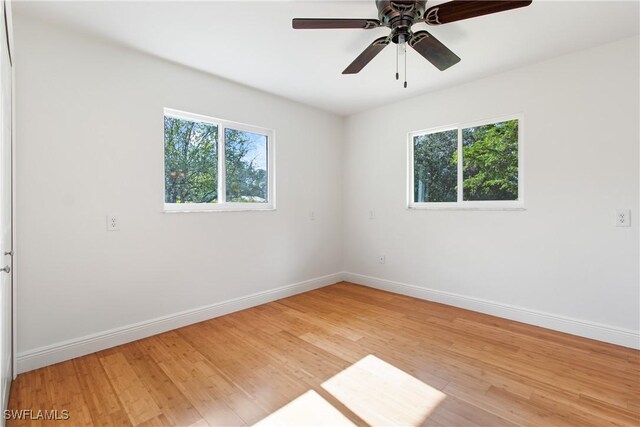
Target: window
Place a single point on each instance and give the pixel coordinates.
(477, 165)
(212, 164)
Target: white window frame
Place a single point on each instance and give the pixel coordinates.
(461, 204)
(222, 205)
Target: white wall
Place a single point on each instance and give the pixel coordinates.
(89, 126)
(562, 256)
(90, 131)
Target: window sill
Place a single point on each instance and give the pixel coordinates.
(221, 208)
(435, 207)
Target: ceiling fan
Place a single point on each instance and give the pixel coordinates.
(399, 16)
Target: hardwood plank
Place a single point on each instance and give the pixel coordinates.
(134, 397)
(197, 380)
(104, 406)
(64, 392)
(455, 412)
(173, 404)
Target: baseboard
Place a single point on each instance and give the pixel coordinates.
(58, 352)
(582, 328)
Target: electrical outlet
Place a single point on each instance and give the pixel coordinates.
(623, 218)
(382, 259)
(113, 223)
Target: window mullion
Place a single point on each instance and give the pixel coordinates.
(460, 193)
(222, 178)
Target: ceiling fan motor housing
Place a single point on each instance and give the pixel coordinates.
(399, 15)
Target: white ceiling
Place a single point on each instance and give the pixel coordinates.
(252, 42)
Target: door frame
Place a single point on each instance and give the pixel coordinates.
(8, 17)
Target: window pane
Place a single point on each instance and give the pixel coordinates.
(190, 161)
(435, 167)
(246, 166)
(490, 161)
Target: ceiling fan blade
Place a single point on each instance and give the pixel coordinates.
(313, 23)
(458, 10)
(367, 55)
(433, 50)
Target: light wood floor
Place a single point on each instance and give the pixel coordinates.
(347, 344)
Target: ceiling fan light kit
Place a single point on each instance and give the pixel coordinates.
(399, 16)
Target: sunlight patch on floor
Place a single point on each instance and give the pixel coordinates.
(377, 392)
(382, 395)
(309, 409)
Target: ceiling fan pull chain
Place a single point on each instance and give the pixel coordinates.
(397, 55)
(405, 69)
